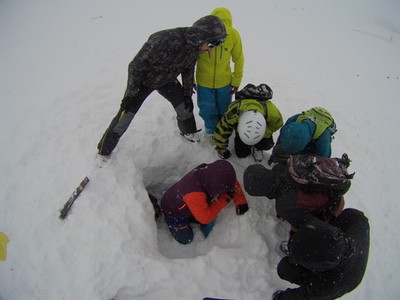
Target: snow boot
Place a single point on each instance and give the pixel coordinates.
(188, 129)
(191, 137)
(258, 155)
(182, 234)
(108, 142)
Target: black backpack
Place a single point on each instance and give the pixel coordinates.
(261, 92)
(316, 174)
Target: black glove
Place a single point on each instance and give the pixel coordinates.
(241, 209)
(269, 143)
(276, 295)
(188, 103)
(224, 154)
(127, 103)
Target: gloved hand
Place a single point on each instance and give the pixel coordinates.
(224, 154)
(233, 90)
(275, 296)
(241, 209)
(269, 143)
(127, 103)
(188, 103)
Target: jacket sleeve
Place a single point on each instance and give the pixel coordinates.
(238, 60)
(238, 197)
(323, 144)
(226, 125)
(321, 289)
(203, 212)
(294, 294)
(274, 119)
(188, 81)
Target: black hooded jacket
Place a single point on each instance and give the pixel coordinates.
(170, 53)
(343, 278)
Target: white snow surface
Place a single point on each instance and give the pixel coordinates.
(63, 71)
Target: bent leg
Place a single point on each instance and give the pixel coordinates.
(224, 98)
(265, 144)
(173, 92)
(295, 274)
(120, 123)
(241, 149)
(111, 136)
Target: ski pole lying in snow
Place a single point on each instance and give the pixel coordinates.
(71, 200)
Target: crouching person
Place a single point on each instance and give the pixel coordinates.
(310, 132)
(253, 118)
(326, 261)
(199, 197)
(292, 204)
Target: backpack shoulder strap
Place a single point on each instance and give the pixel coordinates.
(322, 119)
(265, 108)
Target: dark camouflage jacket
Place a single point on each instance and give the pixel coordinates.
(170, 53)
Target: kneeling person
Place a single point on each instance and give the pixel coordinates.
(199, 197)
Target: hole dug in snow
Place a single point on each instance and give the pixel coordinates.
(224, 234)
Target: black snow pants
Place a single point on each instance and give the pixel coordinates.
(172, 91)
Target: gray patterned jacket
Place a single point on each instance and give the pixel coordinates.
(170, 53)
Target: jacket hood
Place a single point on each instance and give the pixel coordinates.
(205, 29)
(318, 248)
(260, 181)
(225, 15)
(219, 177)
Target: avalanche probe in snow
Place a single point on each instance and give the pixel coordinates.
(71, 200)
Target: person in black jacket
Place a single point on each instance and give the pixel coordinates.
(326, 260)
(293, 205)
(166, 55)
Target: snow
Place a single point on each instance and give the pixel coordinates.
(63, 73)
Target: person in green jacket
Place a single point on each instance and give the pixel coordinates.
(253, 118)
(216, 83)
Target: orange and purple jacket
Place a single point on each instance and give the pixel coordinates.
(202, 193)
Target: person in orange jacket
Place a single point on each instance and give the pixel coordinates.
(199, 197)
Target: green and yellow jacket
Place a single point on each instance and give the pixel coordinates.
(213, 69)
(230, 120)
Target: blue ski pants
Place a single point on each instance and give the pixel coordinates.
(213, 103)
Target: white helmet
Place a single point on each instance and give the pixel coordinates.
(251, 127)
